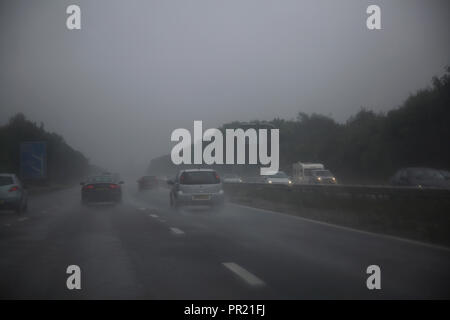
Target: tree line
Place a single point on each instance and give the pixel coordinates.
(369, 147)
(64, 164)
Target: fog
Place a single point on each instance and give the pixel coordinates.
(137, 70)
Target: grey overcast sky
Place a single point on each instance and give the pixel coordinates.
(140, 69)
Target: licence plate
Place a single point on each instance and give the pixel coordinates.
(101, 189)
(201, 197)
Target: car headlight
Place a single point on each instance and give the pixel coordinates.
(290, 182)
(270, 181)
(319, 178)
(334, 179)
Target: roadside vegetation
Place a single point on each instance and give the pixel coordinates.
(64, 164)
(369, 147)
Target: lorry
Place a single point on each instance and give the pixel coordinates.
(302, 172)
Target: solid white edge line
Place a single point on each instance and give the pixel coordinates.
(153, 215)
(381, 235)
(245, 275)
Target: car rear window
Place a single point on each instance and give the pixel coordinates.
(101, 179)
(199, 177)
(4, 181)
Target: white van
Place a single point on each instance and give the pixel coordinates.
(302, 172)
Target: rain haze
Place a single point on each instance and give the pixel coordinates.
(137, 70)
(325, 175)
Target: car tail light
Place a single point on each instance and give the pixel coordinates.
(114, 186)
(89, 186)
(14, 188)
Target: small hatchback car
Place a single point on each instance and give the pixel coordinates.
(196, 187)
(13, 195)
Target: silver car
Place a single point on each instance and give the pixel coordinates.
(278, 177)
(13, 196)
(196, 187)
(231, 178)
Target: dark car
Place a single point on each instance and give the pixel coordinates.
(322, 176)
(420, 177)
(445, 174)
(104, 188)
(147, 182)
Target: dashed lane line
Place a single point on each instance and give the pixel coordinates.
(245, 275)
(177, 231)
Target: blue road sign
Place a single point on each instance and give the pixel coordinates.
(33, 160)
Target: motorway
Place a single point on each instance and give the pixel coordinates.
(141, 249)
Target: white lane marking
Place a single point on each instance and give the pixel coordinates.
(177, 231)
(22, 219)
(245, 275)
(142, 209)
(153, 215)
(369, 233)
